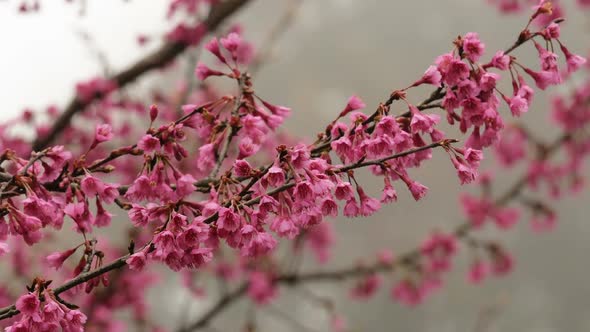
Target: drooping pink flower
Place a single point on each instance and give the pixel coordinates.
(488, 81)
(206, 158)
(193, 236)
(275, 176)
(453, 70)
(574, 61)
(261, 244)
(389, 193)
(418, 190)
(28, 304)
(203, 72)
(213, 47)
(478, 271)
(473, 157)
(149, 144)
(548, 59)
(228, 220)
(53, 313)
(466, 172)
(231, 42)
(197, 257)
(267, 204)
(284, 226)
(343, 147)
(501, 61)
(543, 79)
(137, 261)
(518, 105)
(49, 212)
(25, 225)
(369, 205)
(103, 217)
(303, 191)
(185, 186)
(343, 191)
(351, 208)
(261, 288)
(103, 133)
(80, 213)
(329, 207)
(473, 47)
(354, 103)
(91, 185)
(431, 76)
(422, 122)
(56, 159)
(242, 167)
(138, 215)
(248, 147)
(552, 31)
(165, 243)
(56, 259)
(74, 321)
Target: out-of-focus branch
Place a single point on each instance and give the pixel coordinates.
(268, 45)
(157, 59)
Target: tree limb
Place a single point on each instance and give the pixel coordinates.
(159, 58)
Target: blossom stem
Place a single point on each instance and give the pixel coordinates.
(442, 143)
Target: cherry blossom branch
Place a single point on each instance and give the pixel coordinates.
(121, 261)
(157, 59)
(524, 36)
(233, 194)
(231, 128)
(437, 94)
(361, 163)
(293, 279)
(10, 311)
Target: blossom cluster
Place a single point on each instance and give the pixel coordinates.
(214, 177)
(52, 315)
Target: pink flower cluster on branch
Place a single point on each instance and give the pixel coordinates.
(517, 6)
(214, 182)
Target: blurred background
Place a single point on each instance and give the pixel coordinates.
(333, 49)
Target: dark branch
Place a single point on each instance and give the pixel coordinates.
(157, 59)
